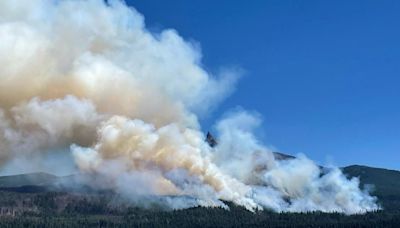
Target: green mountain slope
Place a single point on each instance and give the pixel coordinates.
(385, 183)
(37, 179)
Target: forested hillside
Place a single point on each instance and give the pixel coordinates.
(34, 200)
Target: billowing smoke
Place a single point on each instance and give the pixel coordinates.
(86, 80)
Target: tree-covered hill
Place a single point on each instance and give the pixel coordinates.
(38, 179)
(39, 200)
(385, 183)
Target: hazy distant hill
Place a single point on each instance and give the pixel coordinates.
(282, 156)
(39, 179)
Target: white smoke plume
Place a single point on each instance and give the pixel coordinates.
(86, 78)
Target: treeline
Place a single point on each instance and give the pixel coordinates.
(208, 218)
(98, 215)
(56, 209)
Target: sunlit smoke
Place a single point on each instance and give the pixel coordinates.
(86, 79)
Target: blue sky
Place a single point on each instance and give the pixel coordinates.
(325, 75)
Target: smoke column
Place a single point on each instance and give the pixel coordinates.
(87, 80)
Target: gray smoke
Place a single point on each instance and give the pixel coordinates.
(85, 85)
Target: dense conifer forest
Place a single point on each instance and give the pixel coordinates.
(98, 215)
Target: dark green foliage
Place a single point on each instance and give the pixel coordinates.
(56, 209)
(385, 183)
(37, 206)
(203, 217)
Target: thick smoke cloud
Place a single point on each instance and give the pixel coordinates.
(87, 80)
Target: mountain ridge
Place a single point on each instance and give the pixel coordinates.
(380, 182)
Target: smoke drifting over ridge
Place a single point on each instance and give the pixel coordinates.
(86, 79)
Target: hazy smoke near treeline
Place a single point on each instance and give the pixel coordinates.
(86, 79)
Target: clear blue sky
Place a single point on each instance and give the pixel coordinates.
(324, 74)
